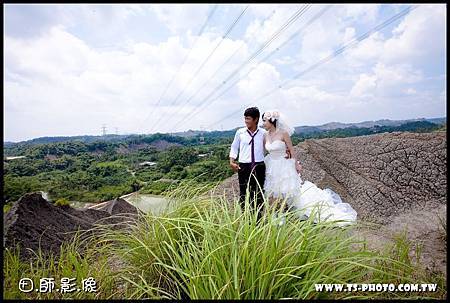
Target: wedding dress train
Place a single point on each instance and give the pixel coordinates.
(282, 181)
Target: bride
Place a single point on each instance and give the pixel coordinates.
(283, 180)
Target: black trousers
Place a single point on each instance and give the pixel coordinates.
(250, 178)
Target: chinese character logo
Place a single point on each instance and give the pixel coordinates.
(66, 286)
(26, 285)
(46, 284)
(89, 285)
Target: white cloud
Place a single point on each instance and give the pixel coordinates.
(275, 25)
(349, 34)
(260, 31)
(57, 72)
(299, 95)
(386, 80)
(365, 84)
(262, 11)
(262, 78)
(419, 35)
(366, 52)
(395, 74)
(285, 60)
(360, 12)
(48, 55)
(410, 91)
(62, 82)
(334, 28)
(181, 17)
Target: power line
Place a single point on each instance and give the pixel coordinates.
(217, 70)
(184, 60)
(209, 56)
(350, 44)
(328, 58)
(205, 104)
(205, 61)
(290, 21)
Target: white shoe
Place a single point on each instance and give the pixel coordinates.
(282, 220)
(278, 220)
(274, 219)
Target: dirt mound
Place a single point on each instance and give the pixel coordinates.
(114, 207)
(34, 222)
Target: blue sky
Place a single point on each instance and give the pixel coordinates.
(69, 69)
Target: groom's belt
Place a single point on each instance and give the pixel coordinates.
(249, 163)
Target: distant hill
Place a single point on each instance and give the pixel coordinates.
(305, 129)
(189, 133)
(84, 138)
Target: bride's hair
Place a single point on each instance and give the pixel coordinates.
(279, 121)
(271, 120)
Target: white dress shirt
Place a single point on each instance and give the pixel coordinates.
(241, 145)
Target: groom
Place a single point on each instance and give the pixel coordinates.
(248, 144)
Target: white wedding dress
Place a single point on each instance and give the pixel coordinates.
(282, 181)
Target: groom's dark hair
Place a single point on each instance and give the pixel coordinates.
(252, 112)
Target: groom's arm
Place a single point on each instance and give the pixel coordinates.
(234, 152)
(264, 144)
(234, 165)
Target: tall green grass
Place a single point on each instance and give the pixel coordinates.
(203, 247)
(207, 248)
(443, 227)
(70, 263)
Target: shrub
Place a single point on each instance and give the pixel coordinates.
(62, 201)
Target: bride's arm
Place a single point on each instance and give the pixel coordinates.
(290, 147)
